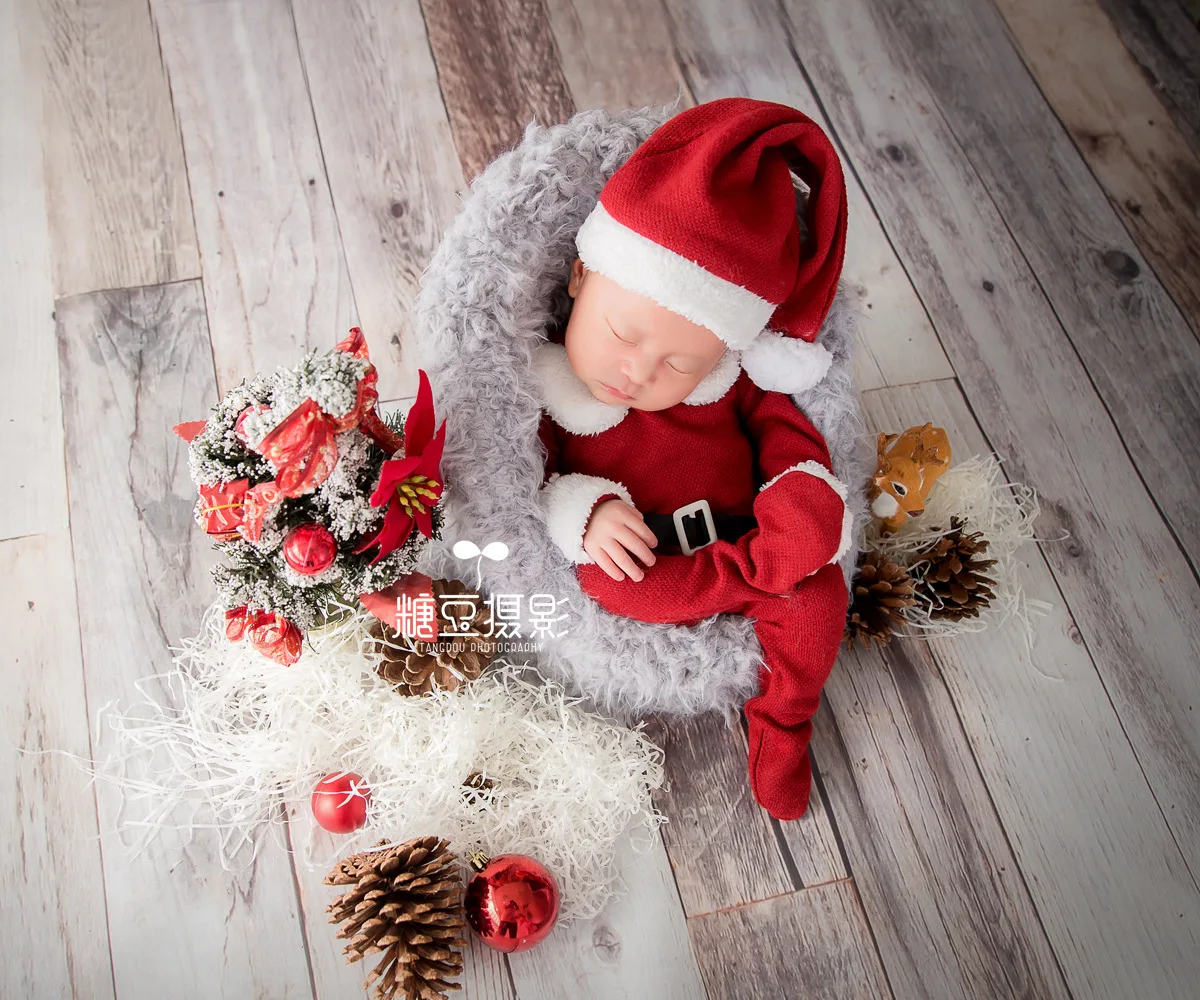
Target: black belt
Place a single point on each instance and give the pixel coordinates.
(688, 528)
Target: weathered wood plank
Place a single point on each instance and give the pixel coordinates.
(1110, 886)
(134, 363)
(1137, 347)
(721, 842)
(498, 68)
(811, 943)
(721, 51)
(637, 948)
(275, 283)
(1132, 593)
(1122, 130)
(389, 156)
(32, 491)
(116, 187)
(947, 906)
(607, 65)
(486, 975)
(53, 920)
(1164, 37)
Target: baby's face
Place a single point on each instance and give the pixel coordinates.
(630, 351)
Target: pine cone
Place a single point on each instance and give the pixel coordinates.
(477, 789)
(460, 659)
(881, 589)
(950, 574)
(407, 903)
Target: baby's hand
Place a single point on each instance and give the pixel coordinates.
(615, 533)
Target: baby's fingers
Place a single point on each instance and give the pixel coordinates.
(639, 525)
(634, 544)
(604, 561)
(623, 559)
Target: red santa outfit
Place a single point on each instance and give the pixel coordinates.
(702, 220)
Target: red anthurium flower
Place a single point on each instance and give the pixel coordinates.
(410, 486)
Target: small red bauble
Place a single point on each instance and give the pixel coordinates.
(309, 549)
(339, 802)
(511, 902)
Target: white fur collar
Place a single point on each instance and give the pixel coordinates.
(573, 407)
(568, 401)
(719, 381)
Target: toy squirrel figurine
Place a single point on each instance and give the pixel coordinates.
(909, 465)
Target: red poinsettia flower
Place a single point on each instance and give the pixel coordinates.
(410, 486)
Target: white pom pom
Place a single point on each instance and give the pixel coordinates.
(779, 363)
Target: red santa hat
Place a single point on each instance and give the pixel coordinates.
(702, 220)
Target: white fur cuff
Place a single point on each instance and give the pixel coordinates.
(820, 472)
(568, 501)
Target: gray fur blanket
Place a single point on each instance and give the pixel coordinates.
(493, 289)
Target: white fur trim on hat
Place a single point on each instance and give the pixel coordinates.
(637, 263)
(565, 396)
(778, 363)
(568, 501)
(817, 469)
(717, 382)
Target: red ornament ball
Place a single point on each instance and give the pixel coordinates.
(339, 802)
(511, 902)
(309, 549)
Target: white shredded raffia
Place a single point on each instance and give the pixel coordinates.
(247, 738)
(975, 491)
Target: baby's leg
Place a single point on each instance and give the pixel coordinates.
(800, 635)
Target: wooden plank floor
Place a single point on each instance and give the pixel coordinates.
(194, 189)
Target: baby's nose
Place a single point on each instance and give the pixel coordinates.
(637, 373)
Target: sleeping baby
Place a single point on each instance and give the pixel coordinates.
(680, 477)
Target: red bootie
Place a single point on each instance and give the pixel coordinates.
(800, 635)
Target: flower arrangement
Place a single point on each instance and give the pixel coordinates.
(313, 498)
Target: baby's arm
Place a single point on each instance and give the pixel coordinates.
(591, 519)
(804, 523)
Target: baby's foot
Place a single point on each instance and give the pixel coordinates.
(780, 771)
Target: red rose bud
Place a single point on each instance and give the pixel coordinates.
(275, 637)
(239, 428)
(235, 623)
